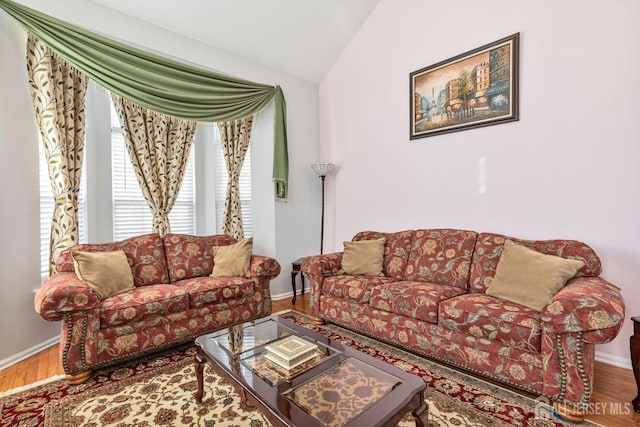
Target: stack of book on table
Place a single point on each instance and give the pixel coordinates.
(290, 352)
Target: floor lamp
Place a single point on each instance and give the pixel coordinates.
(322, 169)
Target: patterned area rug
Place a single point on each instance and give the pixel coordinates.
(158, 390)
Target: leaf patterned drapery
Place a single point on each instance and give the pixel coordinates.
(59, 91)
(158, 147)
(234, 138)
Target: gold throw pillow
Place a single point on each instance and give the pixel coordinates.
(363, 257)
(530, 278)
(232, 260)
(107, 273)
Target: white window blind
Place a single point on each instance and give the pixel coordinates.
(221, 186)
(46, 209)
(131, 214)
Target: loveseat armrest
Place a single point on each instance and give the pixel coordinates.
(263, 266)
(590, 305)
(315, 269)
(63, 293)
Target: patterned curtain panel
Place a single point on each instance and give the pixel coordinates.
(234, 136)
(158, 147)
(58, 91)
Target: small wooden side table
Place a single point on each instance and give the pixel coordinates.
(295, 269)
(634, 343)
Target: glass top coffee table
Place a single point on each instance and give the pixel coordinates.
(336, 386)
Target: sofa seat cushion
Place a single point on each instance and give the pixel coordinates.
(142, 302)
(212, 290)
(492, 319)
(417, 300)
(353, 288)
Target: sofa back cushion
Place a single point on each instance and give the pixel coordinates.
(490, 246)
(145, 255)
(396, 250)
(190, 256)
(441, 256)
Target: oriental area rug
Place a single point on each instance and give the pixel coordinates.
(158, 390)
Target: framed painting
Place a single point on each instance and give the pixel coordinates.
(476, 88)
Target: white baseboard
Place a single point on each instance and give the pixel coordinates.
(284, 295)
(25, 354)
(621, 362)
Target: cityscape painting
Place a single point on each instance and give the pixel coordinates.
(476, 88)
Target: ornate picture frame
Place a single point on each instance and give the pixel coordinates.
(474, 89)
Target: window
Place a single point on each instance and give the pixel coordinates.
(131, 214)
(117, 208)
(46, 210)
(222, 178)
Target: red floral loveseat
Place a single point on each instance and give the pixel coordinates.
(173, 300)
(431, 300)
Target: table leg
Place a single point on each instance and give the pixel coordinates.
(296, 266)
(302, 279)
(634, 343)
(293, 285)
(245, 403)
(199, 365)
(421, 414)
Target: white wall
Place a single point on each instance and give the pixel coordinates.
(280, 229)
(567, 169)
(20, 326)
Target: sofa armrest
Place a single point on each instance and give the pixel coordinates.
(315, 269)
(63, 293)
(262, 266)
(590, 305)
(322, 265)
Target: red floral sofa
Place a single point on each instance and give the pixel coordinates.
(432, 301)
(174, 300)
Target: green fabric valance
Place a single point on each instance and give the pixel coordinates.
(159, 83)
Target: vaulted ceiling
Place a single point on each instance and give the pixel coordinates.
(300, 37)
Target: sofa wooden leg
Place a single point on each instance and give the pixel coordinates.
(318, 320)
(78, 378)
(569, 413)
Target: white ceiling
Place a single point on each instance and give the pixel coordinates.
(300, 37)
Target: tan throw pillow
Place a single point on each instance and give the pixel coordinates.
(232, 260)
(530, 278)
(107, 273)
(363, 257)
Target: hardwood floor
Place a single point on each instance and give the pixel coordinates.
(614, 387)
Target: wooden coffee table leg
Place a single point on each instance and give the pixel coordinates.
(199, 365)
(421, 414)
(245, 404)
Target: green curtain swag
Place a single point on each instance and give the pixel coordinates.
(159, 83)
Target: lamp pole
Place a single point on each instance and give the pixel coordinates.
(322, 177)
(322, 169)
